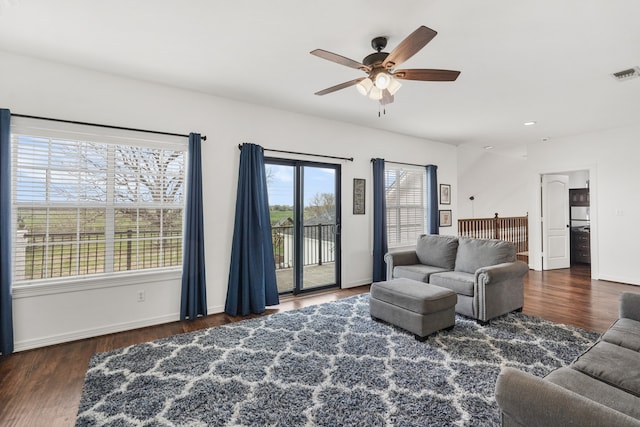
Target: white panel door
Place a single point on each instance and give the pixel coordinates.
(555, 222)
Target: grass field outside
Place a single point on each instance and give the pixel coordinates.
(279, 215)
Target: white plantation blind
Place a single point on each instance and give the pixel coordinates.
(89, 200)
(405, 189)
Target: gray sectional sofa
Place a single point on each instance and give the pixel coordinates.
(484, 273)
(600, 388)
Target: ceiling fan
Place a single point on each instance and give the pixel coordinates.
(382, 78)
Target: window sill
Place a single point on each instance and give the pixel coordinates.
(400, 248)
(87, 283)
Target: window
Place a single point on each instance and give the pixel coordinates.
(89, 200)
(405, 189)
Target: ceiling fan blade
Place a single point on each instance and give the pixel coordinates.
(340, 86)
(427, 75)
(334, 57)
(409, 46)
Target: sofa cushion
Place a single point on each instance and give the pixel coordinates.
(418, 297)
(437, 251)
(459, 282)
(625, 333)
(595, 390)
(418, 272)
(612, 364)
(475, 253)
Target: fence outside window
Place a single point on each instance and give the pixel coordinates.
(52, 255)
(319, 245)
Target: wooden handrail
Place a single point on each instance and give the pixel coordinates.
(513, 229)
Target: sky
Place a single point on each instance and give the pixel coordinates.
(281, 180)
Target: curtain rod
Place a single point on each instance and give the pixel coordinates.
(350, 159)
(73, 122)
(402, 163)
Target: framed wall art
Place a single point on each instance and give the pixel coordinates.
(358, 196)
(445, 218)
(445, 194)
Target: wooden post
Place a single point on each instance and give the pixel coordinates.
(319, 233)
(129, 236)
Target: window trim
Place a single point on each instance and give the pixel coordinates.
(35, 127)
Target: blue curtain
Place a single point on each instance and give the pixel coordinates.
(379, 222)
(252, 274)
(432, 200)
(6, 308)
(194, 284)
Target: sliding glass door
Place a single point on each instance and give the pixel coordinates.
(304, 201)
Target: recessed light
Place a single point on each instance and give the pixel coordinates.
(531, 123)
(488, 147)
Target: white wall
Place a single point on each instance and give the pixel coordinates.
(497, 182)
(47, 89)
(578, 179)
(611, 157)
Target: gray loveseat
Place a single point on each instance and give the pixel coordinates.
(600, 388)
(484, 273)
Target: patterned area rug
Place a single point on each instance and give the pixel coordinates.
(325, 365)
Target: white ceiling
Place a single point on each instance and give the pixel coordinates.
(546, 60)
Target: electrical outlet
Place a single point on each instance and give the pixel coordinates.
(141, 296)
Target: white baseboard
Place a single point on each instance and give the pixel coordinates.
(357, 283)
(93, 332)
(215, 309)
(119, 327)
(618, 279)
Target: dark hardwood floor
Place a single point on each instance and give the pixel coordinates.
(42, 387)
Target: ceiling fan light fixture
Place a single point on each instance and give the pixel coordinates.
(375, 93)
(394, 85)
(364, 86)
(382, 80)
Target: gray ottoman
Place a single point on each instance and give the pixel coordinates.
(417, 307)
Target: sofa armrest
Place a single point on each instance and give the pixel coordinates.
(501, 272)
(630, 306)
(528, 400)
(399, 258)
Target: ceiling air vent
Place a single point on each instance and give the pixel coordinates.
(627, 74)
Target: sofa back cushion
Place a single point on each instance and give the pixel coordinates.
(437, 251)
(476, 253)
